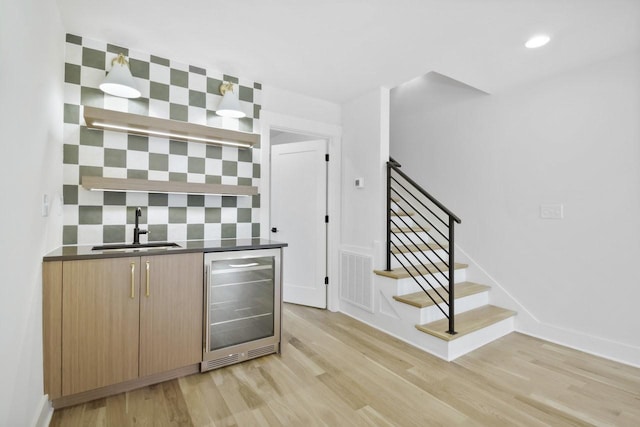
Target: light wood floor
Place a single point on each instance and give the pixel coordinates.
(335, 371)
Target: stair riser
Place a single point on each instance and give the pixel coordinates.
(416, 257)
(431, 314)
(418, 213)
(479, 338)
(400, 320)
(408, 285)
(395, 206)
(402, 221)
(411, 237)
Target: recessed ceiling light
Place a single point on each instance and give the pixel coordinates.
(537, 41)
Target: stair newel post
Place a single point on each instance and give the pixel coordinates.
(452, 249)
(388, 252)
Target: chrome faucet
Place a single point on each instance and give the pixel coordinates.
(136, 231)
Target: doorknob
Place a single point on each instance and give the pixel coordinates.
(274, 229)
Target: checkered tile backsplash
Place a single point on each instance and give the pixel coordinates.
(170, 90)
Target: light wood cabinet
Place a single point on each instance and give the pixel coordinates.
(100, 323)
(121, 319)
(170, 312)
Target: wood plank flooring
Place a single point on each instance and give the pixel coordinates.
(335, 371)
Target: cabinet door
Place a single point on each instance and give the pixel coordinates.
(100, 323)
(170, 312)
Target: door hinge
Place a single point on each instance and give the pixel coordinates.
(326, 219)
(326, 280)
(326, 157)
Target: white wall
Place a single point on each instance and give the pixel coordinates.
(365, 150)
(31, 76)
(282, 101)
(572, 139)
(278, 138)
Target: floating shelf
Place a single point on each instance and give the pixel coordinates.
(118, 121)
(97, 183)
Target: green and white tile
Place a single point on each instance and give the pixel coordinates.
(90, 234)
(114, 172)
(179, 95)
(114, 215)
(157, 214)
(177, 200)
(158, 108)
(116, 103)
(159, 73)
(197, 115)
(169, 90)
(229, 215)
(212, 231)
(158, 175)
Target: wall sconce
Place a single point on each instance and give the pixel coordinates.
(119, 81)
(230, 104)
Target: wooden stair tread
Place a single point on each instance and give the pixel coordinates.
(394, 213)
(401, 273)
(467, 322)
(421, 300)
(410, 229)
(419, 248)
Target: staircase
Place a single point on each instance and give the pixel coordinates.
(425, 289)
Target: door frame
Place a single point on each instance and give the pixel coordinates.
(333, 134)
(306, 288)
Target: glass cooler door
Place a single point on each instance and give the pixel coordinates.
(241, 300)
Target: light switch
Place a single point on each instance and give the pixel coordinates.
(552, 211)
(359, 182)
(45, 205)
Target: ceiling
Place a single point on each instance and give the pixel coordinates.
(337, 49)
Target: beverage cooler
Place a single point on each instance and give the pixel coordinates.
(243, 303)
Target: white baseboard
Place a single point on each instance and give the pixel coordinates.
(528, 324)
(441, 355)
(43, 415)
(597, 346)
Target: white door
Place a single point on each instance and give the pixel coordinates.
(298, 209)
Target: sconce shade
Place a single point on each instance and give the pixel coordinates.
(230, 104)
(119, 81)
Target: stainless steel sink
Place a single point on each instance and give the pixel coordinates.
(158, 245)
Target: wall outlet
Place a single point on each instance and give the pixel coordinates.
(552, 211)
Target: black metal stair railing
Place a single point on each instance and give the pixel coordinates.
(404, 238)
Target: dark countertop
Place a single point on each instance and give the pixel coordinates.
(68, 253)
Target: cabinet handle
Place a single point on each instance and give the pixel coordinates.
(148, 293)
(133, 280)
